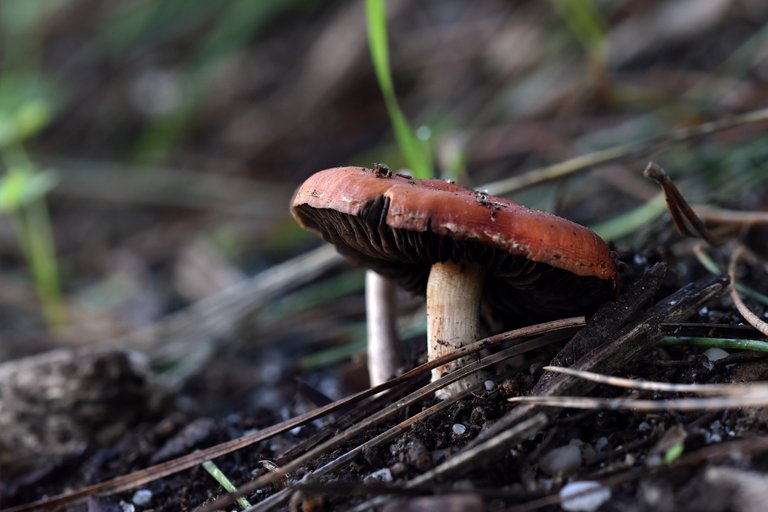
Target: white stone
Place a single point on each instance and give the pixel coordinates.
(561, 460)
(601, 444)
(381, 475)
(142, 497)
(714, 354)
(583, 496)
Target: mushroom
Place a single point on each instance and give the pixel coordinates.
(467, 250)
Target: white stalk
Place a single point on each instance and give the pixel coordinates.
(454, 291)
(383, 356)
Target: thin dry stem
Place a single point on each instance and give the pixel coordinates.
(748, 315)
(645, 385)
(679, 208)
(758, 397)
(725, 216)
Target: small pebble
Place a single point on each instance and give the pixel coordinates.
(561, 460)
(714, 354)
(381, 475)
(142, 497)
(601, 444)
(583, 496)
(459, 429)
(127, 507)
(489, 385)
(714, 435)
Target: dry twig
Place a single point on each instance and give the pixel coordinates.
(701, 389)
(730, 395)
(726, 216)
(748, 315)
(679, 208)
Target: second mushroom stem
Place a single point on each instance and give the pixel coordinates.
(383, 356)
(454, 291)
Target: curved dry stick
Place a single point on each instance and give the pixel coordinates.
(748, 315)
(648, 385)
(755, 398)
(726, 216)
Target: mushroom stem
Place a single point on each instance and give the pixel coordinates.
(454, 291)
(383, 359)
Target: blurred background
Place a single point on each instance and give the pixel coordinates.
(149, 148)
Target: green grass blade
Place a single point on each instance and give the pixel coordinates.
(415, 151)
(43, 263)
(632, 220)
(22, 197)
(724, 343)
(224, 482)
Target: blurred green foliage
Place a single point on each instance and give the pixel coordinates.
(28, 102)
(22, 196)
(584, 21)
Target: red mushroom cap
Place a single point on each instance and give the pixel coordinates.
(538, 264)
